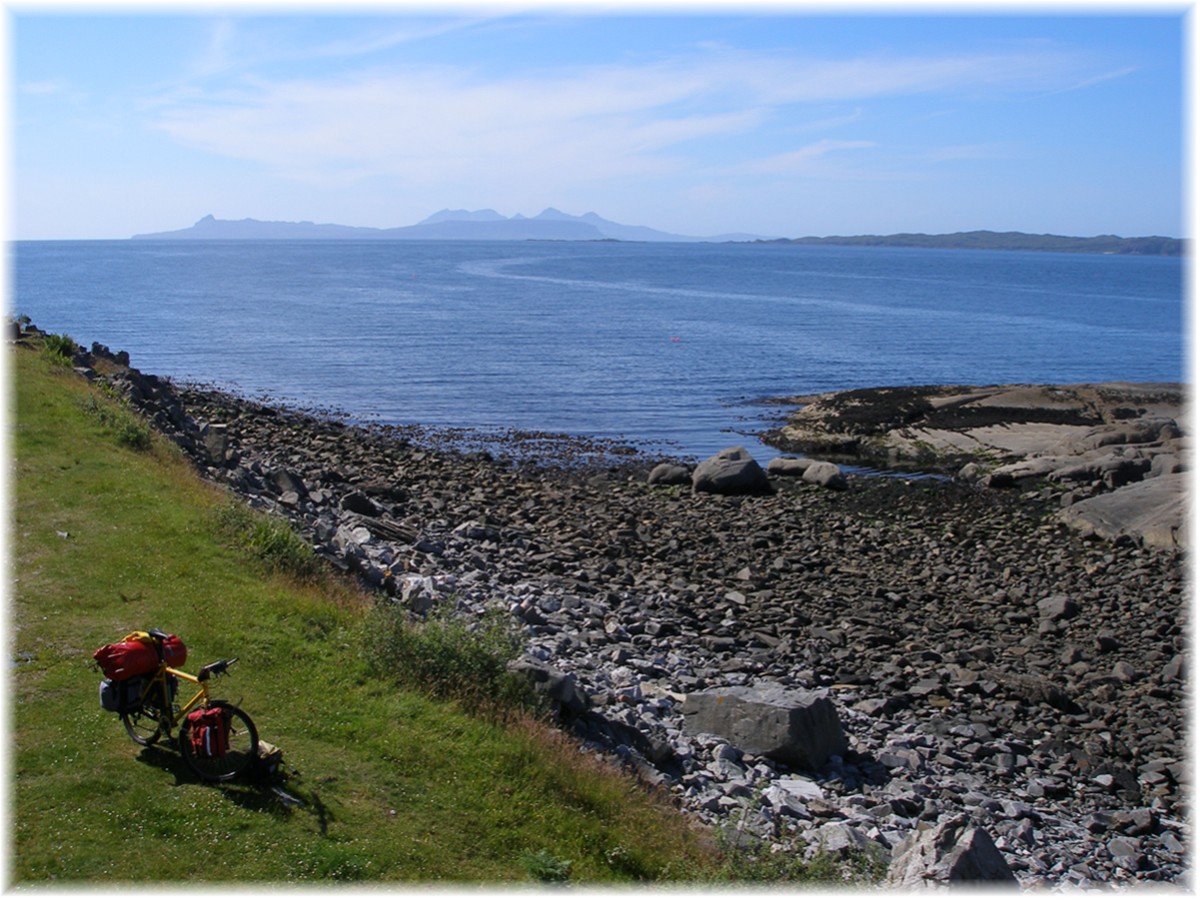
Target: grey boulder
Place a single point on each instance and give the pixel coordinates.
(732, 471)
(826, 475)
(669, 473)
(797, 728)
(951, 853)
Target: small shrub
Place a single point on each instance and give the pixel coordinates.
(269, 539)
(134, 434)
(60, 347)
(449, 657)
(544, 866)
(130, 429)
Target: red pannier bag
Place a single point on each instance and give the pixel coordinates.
(135, 655)
(208, 731)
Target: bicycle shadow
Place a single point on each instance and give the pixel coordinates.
(246, 791)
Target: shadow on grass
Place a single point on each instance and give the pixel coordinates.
(246, 791)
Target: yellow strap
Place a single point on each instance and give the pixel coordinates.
(143, 636)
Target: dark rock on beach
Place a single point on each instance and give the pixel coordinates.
(1006, 686)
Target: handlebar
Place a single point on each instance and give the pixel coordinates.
(217, 668)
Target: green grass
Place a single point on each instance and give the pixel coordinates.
(110, 533)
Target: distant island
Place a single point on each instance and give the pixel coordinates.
(447, 225)
(552, 225)
(1006, 240)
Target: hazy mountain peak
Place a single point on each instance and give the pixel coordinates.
(463, 215)
(448, 224)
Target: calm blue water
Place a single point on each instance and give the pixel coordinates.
(666, 345)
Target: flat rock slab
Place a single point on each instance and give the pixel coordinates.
(1010, 421)
(798, 728)
(1100, 435)
(1151, 511)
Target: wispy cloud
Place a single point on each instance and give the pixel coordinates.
(1092, 80)
(395, 37)
(802, 161)
(233, 47)
(572, 124)
(969, 152)
(43, 88)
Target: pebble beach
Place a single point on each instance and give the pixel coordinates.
(985, 660)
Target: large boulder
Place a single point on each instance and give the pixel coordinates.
(669, 473)
(826, 475)
(561, 688)
(732, 471)
(951, 853)
(358, 502)
(812, 471)
(788, 467)
(215, 440)
(797, 728)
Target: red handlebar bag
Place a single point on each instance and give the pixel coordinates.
(136, 655)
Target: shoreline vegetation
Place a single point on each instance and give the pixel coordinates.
(552, 225)
(1003, 680)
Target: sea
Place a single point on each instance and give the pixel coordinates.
(667, 348)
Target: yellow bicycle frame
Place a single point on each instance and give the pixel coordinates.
(170, 719)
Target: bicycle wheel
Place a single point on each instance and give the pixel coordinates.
(143, 725)
(241, 750)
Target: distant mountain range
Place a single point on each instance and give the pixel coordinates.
(449, 224)
(552, 225)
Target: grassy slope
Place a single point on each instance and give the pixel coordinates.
(399, 788)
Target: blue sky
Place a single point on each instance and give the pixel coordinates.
(781, 121)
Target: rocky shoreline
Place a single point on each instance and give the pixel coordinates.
(989, 665)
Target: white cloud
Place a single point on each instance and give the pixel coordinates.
(422, 126)
(43, 88)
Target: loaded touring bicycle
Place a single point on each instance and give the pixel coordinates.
(217, 740)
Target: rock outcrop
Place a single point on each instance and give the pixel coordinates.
(1083, 440)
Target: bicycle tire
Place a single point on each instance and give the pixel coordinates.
(241, 752)
(142, 725)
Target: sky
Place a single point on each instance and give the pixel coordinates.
(779, 120)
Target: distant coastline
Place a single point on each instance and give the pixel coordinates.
(552, 225)
(1154, 245)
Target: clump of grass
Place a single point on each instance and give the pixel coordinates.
(129, 428)
(60, 347)
(269, 539)
(449, 657)
(752, 861)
